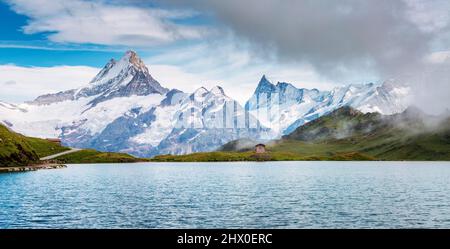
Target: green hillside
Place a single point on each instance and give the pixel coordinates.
(219, 156)
(43, 147)
(19, 150)
(93, 156)
(410, 135)
(15, 149)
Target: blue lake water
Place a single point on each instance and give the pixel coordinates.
(230, 195)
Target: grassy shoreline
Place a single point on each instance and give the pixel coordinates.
(31, 167)
(88, 156)
(251, 156)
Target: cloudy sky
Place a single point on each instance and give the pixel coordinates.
(53, 45)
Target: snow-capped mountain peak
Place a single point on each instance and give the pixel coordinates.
(135, 61)
(211, 97)
(264, 85)
(118, 78)
(217, 90)
(114, 69)
(285, 85)
(125, 77)
(105, 70)
(199, 94)
(130, 68)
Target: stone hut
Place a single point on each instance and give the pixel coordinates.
(260, 148)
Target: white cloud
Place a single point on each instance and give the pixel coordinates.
(438, 57)
(80, 21)
(29, 82)
(51, 46)
(175, 77)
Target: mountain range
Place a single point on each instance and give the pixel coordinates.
(124, 109)
(286, 107)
